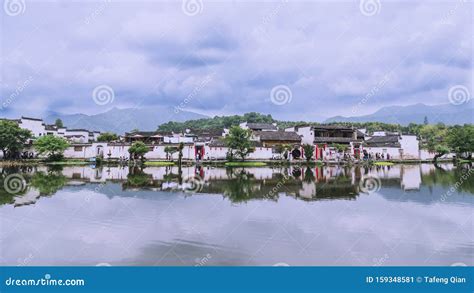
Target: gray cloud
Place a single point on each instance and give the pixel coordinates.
(151, 53)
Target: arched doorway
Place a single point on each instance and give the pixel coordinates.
(296, 154)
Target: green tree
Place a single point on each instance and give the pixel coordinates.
(432, 139)
(51, 146)
(425, 121)
(59, 123)
(308, 151)
(170, 150)
(280, 149)
(107, 137)
(12, 138)
(48, 183)
(239, 142)
(138, 149)
(461, 140)
(180, 154)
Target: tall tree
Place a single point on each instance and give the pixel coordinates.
(432, 137)
(138, 149)
(59, 123)
(239, 142)
(170, 150)
(51, 146)
(180, 154)
(308, 151)
(425, 121)
(12, 138)
(107, 137)
(461, 140)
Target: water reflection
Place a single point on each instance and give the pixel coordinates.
(418, 215)
(242, 184)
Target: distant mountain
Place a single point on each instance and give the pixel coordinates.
(446, 113)
(123, 120)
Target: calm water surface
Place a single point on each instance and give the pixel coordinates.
(398, 215)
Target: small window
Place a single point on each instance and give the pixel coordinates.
(78, 149)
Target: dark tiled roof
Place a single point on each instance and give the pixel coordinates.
(145, 133)
(83, 130)
(263, 126)
(29, 118)
(331, 127)
(381, 141)
(217, 143)
(279, 136)
(207, 132)
(50, 127)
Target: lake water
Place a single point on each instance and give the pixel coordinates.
(392, 215)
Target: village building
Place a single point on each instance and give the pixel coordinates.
(39, 128)
(326, 138)
(274, 138)
(396, 146)
(259, 126)
(331, 142)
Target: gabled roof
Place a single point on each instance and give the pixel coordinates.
(263, 126)
(278, 136)
(332, 127)
(33, 119)
(82, 130)
(383, 141)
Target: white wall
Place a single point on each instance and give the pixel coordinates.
(36, 127)
(393, 152)
(307, 135)
(410, 146)
(426, 155)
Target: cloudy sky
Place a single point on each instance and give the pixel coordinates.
(292, 59)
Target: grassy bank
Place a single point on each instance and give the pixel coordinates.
(68, 163)
(159, 164)
(245, 164)
(384, 164)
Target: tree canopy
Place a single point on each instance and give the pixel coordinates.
(308, 151)
(138, 149)
(12, 138)
(239, 142)
(461, 140)
(107, 137)
(51, 146)
(217, 122)
(59, 123)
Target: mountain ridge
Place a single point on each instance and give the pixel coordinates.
(124, 120)
(445, 113)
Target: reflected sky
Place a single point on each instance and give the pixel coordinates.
(87, 216)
